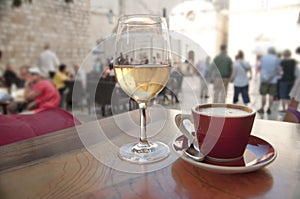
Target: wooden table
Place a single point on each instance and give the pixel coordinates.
(58, 165)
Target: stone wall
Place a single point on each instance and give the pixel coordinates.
(25, 30)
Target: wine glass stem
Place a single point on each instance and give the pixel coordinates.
(143, 138)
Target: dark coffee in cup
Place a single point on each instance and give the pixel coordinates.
(223, 111)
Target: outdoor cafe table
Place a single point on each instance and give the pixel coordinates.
(57, 165)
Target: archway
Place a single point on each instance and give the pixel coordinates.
(198, 21)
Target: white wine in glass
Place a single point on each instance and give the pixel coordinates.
(142, 64)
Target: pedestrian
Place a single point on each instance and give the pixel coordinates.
(269, 71)
(48, 61)
(257, 66)
(203, 67)
(98, 66)
(223, 66)
(80, 75)
(288, 67)
(240, 78)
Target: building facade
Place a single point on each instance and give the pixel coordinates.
(27, 27)
(75, 27)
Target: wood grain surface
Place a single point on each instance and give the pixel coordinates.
(58, 165)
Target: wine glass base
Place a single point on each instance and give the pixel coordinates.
(143, 154)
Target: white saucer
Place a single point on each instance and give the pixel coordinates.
(258, 154)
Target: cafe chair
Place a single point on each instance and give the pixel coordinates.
(121, 102)
(172, 89)
(17, 127)
(103, 95)
(100, 92)
(74, 99)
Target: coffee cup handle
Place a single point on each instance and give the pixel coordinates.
(179, 118)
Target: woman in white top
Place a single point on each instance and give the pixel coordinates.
(240, 79)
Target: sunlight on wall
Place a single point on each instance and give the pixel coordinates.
(255, 26)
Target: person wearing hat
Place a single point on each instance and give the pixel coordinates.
(40, 91)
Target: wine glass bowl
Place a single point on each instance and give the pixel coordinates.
(142, 64)
(142, 82)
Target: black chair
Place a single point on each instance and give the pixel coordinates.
(100, 93)
(76, 98)
(172, 88)
(121, 102)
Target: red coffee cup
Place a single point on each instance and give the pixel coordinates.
(222, 130)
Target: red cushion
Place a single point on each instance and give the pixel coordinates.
(19, 127)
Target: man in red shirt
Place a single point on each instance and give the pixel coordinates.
(41, 92)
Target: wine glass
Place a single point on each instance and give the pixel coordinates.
(142, 64)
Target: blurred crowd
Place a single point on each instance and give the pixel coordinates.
(50, 83)
(278, 72)
(46, 84)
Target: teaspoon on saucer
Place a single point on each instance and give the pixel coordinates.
(194, 153)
